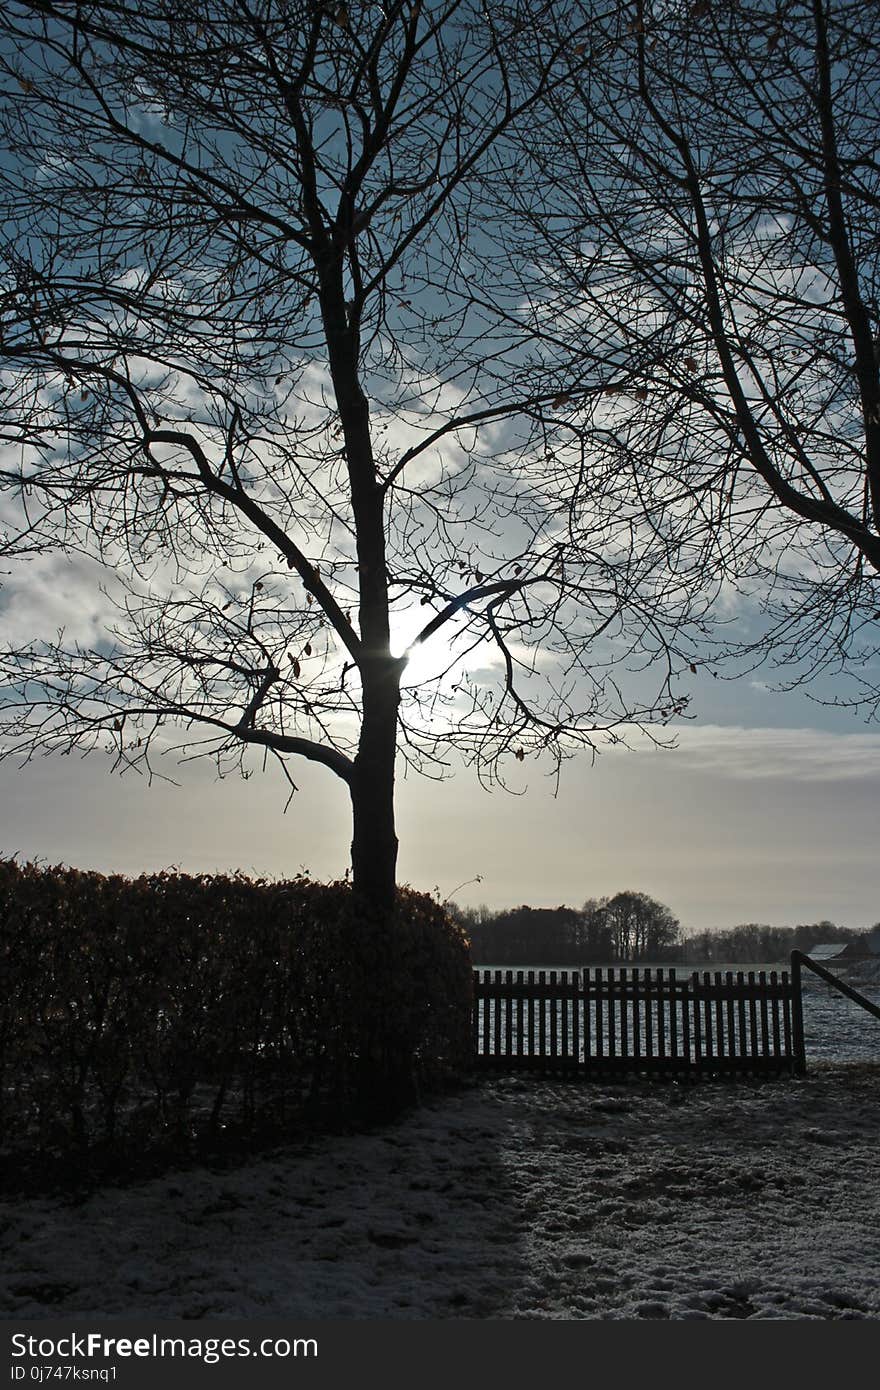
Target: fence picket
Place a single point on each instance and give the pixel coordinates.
(612, 1022)
(530, 1015)
(673, 1015)
(731, 1015)
(774, 983)
(563, 981)
(698, 1031)
(765, 1020)
(743, 1051)
(625, 1011)
(708, 1044)
(786, 1012)
(520, 1038)
(719, 1019)
(637, 1019)
(753, 1015)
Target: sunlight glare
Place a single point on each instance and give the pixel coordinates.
(428, 660)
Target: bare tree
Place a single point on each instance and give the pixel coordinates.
(639, 927)
(711, 244)
(267, 366)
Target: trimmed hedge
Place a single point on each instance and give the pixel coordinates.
(172, 1009)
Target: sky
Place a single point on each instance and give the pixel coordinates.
(765, 817)
(765, 811)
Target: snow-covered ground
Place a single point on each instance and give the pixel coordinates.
(514, 1198)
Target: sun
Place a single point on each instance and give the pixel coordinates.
(438, 657)
(427, 661)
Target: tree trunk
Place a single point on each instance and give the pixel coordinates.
(386, 1080)
(385, 1064)
(374, 841)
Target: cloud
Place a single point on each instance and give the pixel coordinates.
(765, 754)
(54, 591)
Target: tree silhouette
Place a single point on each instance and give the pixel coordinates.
(268, 377)
(640, 928)
(711, 244)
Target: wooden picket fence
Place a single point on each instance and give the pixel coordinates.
(613, 1021)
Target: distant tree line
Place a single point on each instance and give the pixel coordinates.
(627, 927)
(757, 943)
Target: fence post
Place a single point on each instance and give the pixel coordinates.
(797, 1017)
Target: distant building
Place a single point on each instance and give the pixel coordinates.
(832, 951)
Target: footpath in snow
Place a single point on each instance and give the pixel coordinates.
(514, 1198)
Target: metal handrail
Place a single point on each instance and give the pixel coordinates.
(798, 959)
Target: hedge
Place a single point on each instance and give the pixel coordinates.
(173, 1009)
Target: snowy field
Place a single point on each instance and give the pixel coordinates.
(836, 1029)
(514, 1198)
